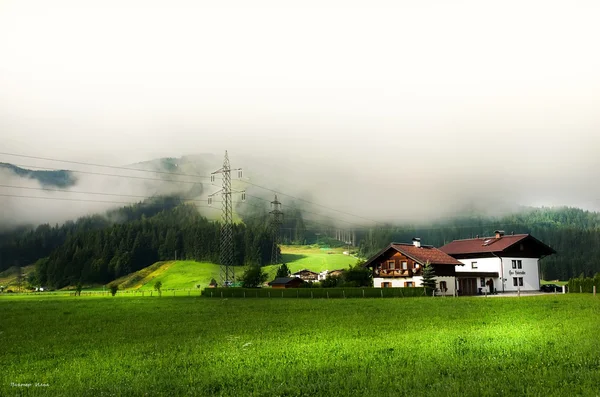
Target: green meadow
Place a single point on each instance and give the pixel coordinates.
(190, 274)
(171, 346)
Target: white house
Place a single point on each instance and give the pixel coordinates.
(502, 263)
(401, 265)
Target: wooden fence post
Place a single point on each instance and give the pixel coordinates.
(327, 294)
(269, 294)
(580, 289)
(381, 292)
(221, 294)
(594, 290)
(311, 294)
(363, 293)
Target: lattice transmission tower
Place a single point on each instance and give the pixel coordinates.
(276, 221)
(227, 272)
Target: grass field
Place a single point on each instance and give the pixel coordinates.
(78, 346)
(189, 274)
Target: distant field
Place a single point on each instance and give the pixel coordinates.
(80, 346)
(189, 274)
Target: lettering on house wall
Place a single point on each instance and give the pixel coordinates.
(520, 272)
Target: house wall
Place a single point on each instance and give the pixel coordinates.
(529, 272)
(418, 282)
(503, 266)
(483, 265)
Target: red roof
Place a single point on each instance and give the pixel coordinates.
(422, 254)
(486, 244)
(426, 253)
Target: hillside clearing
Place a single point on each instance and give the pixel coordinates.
(191, 274)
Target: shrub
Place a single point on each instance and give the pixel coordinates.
(158, 286)
(113, 289)
(254, 277)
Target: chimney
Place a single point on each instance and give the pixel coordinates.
(499, 233)
(417, 242)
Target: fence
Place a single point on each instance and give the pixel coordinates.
(313, 292)
(584, 284)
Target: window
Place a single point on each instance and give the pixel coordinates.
(409, 284)
(520, 281)
(515, 282)
(443, 286)
(391, 264)
(519, 264)
(482, 282)
(404, 265)
(386, 285)
(473, 265)
(514, 264)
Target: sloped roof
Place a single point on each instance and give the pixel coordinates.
(305, 270)
(491, 245)
(421, 255)
(283, 280)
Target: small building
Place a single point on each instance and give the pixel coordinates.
(401, 265)
(286, 282)
(502, 263)
(335, 273)
(306, 275)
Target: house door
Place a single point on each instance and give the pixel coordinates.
(467, 286)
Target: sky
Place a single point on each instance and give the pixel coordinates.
(383, 108)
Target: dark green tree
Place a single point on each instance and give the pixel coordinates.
(254, 277)
(283, 271)
(158, 286)
(428, 278)
(358, 276)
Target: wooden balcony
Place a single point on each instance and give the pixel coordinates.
(394, 273)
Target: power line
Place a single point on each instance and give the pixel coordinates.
(79, 200)
(170, 173)
(310, 202)
(103, 165)
(97, 193)
(314, 213)
(113, 175)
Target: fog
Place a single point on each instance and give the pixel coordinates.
(394, 110)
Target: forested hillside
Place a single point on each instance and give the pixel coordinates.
(98, 249)
(572, 232)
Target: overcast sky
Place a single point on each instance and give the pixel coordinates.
(453, 100)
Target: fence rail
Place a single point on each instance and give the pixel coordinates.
(309, 293)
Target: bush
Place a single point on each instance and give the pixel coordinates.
(158, 286)
(113, 289)
(254, 277)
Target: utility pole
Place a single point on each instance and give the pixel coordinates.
(227, 272)
(276, 221)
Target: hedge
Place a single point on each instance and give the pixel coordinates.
(313, 292)
(584, 284)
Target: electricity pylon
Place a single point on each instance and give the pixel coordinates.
(227, 272)
(276, 221)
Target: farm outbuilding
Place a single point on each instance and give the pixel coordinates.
(286, 282)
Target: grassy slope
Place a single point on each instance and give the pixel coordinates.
(188, 274)
(544, 345)
(8, 277)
